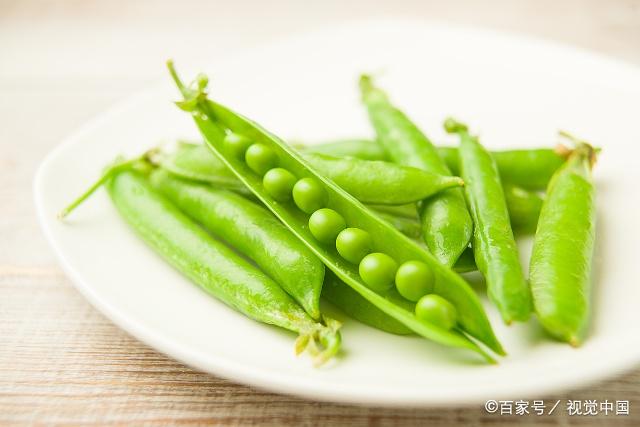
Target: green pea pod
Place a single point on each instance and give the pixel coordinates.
(530, 169)
(193, 161)
(355, 306)
(563, 249)
(213, 266)
(212, 118)
(446, 223)
(524, 208)
(368, 181)
(381, 182)
(251, 230)
(494, 246)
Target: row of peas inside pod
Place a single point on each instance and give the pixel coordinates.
(413, 279)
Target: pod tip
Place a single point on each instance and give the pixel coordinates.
(451, 125)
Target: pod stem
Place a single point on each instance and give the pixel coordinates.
(322, 342)
(194, 94)
(118, 166)
(580, 147)
(451, 125)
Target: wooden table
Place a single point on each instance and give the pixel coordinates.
(61, 361)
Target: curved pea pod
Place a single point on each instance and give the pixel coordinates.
(212, 118)
(212, 265)
(494, 245)
(563, 250)
(253, 231)
(446, 223)
(355, 306)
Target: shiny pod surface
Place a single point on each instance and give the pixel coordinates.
(494, 245)
(561, 259)
(253, 231)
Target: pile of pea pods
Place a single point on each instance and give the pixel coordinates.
(382, 229)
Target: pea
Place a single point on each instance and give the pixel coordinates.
(309, 195)
(414, 279)
(434, 309)
(377, 270)
(325, 225)
(260, 158)
(237, 144)
(279, 183)
(353, 244)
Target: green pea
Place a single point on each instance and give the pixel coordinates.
(353, 244)
(377, 270)
(279, 183)
(325, 225)
(434, 309)
(414, 279)
(260, 158)
(309, 195)
(237, 144)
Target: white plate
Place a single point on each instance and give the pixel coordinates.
(516, 92)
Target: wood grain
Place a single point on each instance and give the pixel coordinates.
(61, 62)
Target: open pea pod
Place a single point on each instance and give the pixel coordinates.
(213, 119)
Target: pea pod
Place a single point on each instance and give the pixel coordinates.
(213, 266)
(524, 208)
(193, 162)
(381, 182)
(563, 249)
(446, 223)
(494, 246)
(368, 181)
(529, 168)
(270, 152)
(251, 230)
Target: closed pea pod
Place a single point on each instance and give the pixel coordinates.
(253, 231)
(528, 168)
(446, 223)
(494, 246)
(212, 265)
(210, 116)
(381, 182)
(563, 249)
